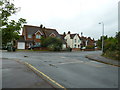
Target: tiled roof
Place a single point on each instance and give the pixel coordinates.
(72, 36)
(32, 29)
(62, 38)
(84, 38)
(45, 31)
(79, 36)
(48, 32)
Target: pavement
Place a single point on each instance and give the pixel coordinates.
(17, 75)
(99, 58)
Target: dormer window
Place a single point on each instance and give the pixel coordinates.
(52, 35)
(29, 36)
(38, 36)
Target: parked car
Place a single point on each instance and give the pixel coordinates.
(3, 47)
(34, 46)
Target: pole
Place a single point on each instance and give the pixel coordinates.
(102, 37)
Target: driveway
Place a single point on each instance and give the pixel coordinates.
(70, 69)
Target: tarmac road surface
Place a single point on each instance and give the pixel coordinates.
(70, 69)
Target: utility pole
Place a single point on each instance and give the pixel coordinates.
(102, 36)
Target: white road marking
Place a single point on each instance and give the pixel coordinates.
(68, 62)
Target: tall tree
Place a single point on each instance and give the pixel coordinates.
(10, 29)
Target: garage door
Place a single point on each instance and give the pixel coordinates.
(21, 45)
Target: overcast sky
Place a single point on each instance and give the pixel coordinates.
(71, 15)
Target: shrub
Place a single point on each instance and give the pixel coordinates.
(90, 47)
(54, 44)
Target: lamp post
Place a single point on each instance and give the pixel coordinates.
(102, 36)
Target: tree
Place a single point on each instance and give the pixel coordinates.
(111, 46)
(99, 42)
(52, 43)
(118, 40)
(118, 44)
(10, 29)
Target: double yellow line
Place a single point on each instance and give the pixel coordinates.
(47, 77)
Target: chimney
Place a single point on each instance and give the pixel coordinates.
(41, 26)
(64, 33)
(68, 32)
(81, 34)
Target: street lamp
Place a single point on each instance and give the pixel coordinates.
(102, 36)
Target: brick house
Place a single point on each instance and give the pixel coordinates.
(87, 41)
(31, 36)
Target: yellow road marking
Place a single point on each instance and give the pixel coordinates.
(45, 76)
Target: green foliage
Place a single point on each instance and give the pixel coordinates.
(9, 29)
(111, 54)
(118, 40)
(99, 42)
(90, 47)
(7, 9)
(52, 43)
(118, 44)
(68, 49)
(111, 46)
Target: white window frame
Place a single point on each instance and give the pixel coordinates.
(38, 36)
(52, 34)
(29, 36)
(75, 40)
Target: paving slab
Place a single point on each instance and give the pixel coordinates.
(99, 58)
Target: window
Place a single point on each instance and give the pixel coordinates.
(78, 41)
(38, 36)
(66, 40)
(52, 35)
(75, 46)
(75, 40)
(29, 36)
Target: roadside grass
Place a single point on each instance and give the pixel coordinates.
(111, 55)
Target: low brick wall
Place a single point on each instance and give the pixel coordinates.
(75, 49)
(89, 49)
(40, 48)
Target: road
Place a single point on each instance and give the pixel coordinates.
(71, 69)
(17, 75)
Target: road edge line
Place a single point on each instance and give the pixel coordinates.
(54, 84)
(57, 85)
(102, 62)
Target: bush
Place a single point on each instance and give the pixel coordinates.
(90, 47)
(111, 54)
(54, 44)
(54, 47)
(110, 44)
(68, 49)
